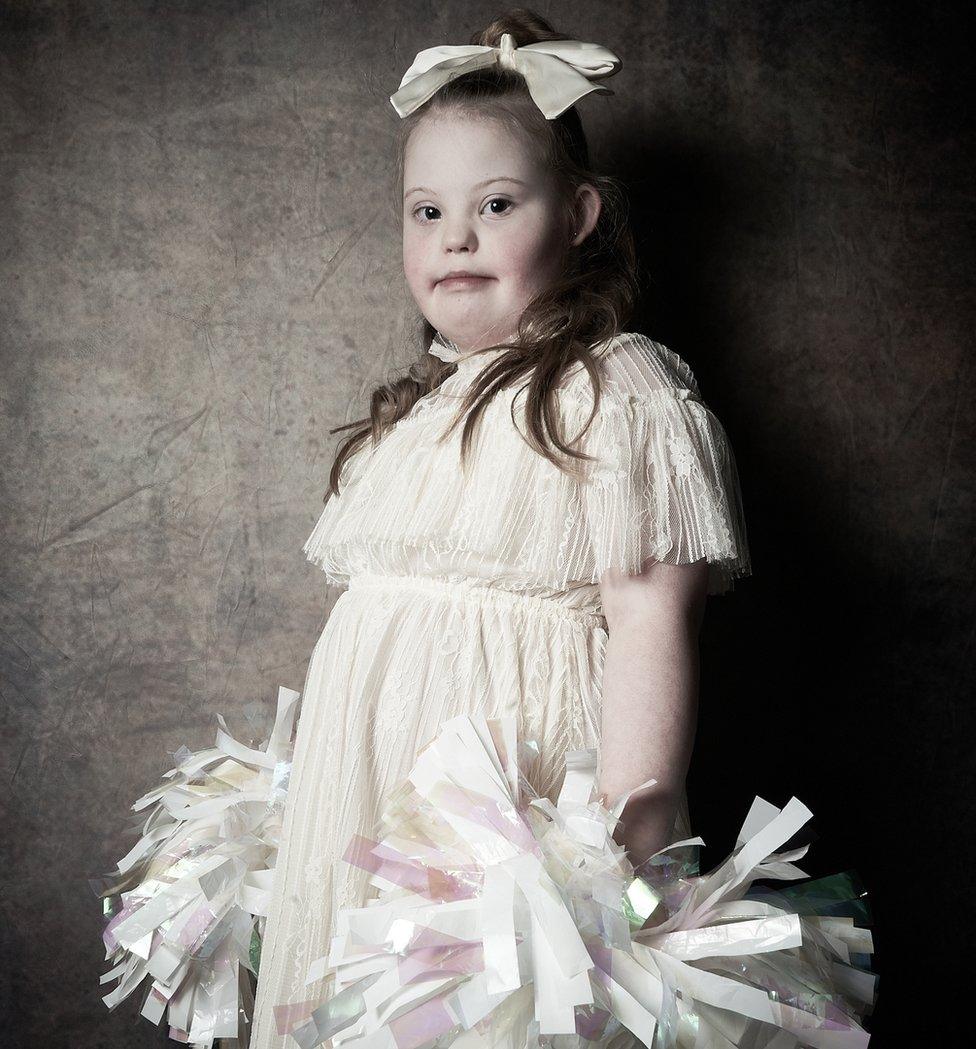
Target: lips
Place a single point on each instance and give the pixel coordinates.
(460, 278)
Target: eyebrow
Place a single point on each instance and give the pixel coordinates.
(487, 182)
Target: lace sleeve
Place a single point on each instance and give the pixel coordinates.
(665, 486)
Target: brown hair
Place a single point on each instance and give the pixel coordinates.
(593, 300)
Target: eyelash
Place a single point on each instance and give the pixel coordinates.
(504, 200)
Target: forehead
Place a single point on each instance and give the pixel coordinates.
(448, 150)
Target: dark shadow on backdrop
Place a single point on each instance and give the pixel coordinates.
(797, 659)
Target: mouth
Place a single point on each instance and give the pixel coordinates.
(462, 279)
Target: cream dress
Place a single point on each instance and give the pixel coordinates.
(480, 594)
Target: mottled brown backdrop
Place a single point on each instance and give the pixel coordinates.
(201, 277)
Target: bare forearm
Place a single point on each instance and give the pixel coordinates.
(650, 702)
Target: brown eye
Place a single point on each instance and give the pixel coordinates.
(499, 200)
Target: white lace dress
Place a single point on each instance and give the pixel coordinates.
(480, 594)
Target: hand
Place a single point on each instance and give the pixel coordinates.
(646, 826)
(640, 833)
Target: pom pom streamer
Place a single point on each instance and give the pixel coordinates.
(500, 919)
(504, 920)
(187, 904)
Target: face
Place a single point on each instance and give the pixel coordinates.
(476, 200)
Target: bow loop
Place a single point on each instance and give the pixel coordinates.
(558, 73)
(443, 348)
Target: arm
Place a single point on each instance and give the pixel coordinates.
(650, 695)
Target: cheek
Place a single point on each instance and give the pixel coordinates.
(413, 259)
(533, 256)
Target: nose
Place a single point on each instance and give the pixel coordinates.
(458, 235)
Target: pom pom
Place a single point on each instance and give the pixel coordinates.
(525, 923)
(187, 903)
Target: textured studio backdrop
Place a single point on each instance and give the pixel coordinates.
(201, 276)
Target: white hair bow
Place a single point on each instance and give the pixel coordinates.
(557, 72)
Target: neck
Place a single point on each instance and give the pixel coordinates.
(484, 340)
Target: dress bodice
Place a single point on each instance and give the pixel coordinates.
(663, 485)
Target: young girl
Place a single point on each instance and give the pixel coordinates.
(529, 521)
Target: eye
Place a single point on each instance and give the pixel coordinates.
(499, 200)
(423, 207)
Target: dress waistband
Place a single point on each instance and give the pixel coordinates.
(471, 591)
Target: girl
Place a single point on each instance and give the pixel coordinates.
(529, 521)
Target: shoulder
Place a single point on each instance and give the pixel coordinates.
(634, 368)
(635, 365)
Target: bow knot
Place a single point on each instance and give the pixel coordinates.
(506, 46)
(557, 73)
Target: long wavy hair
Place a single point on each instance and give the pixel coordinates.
(592, 301)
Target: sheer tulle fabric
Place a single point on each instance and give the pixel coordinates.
(480, 594)
(664, 486)
(667, 487)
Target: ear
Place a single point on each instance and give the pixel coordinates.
(586, 211)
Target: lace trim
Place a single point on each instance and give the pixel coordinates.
(663, 486)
